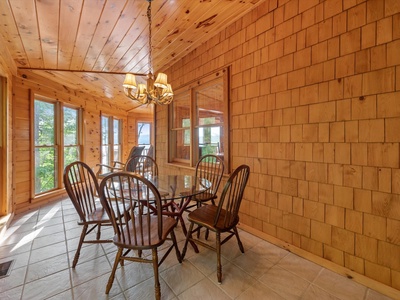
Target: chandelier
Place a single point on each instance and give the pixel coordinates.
(160, 91)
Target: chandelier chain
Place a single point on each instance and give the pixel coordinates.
(150, 38)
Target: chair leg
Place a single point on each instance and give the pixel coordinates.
(188, 236)
(238, 239)
(185, 233)
(98, 232)
(78, 250)
(218, 248)
(156, 278)
(112, 275)
(178, 254)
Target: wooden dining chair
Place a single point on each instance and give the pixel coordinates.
(210, 167)
(146, 228)
(82, 187)
(117, 166)
(143, 165)
(222, 218)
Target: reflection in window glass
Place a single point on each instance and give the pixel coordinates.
(210, 118)
(180, 134)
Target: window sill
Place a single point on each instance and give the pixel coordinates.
(53, 195)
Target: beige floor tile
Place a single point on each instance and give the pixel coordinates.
(286, 284)
(269, 251)
(48, 252)
(12, 294)
(20, 260)
(259, 291)
(47, 286)
(182, 276)
(300, 266)
(373, 295)
(253, 263)
(206, 261)
(47, 240)
(145, 290)
(89, 270)
(132, 274)
(96, 289)
(89, 252)
(204, 290)
(234, 280)
(62, 296)
(15, 279)
(340, 286)
(316, 293)
(46, 267)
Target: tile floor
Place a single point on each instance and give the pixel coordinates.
(43, 243)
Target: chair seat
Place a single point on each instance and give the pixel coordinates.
(131, 238)
(205, 216)
(99, 215)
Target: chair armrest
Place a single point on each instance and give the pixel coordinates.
(112, 169)
(116, 163)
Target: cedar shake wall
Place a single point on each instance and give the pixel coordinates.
(315, 113)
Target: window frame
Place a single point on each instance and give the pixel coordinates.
(58, 144)
(111, 141)
(189, 91)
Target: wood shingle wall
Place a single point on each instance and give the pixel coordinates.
(315, 112)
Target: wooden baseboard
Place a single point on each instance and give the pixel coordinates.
(368, 282)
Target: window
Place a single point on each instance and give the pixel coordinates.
(111, 142)
(144, 133)
(57, 142)
(199, 120)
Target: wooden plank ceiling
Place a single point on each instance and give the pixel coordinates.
(54, 38)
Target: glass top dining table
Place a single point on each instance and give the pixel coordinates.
(176, 187)
(176, 192)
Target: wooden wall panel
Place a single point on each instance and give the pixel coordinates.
(92, 108)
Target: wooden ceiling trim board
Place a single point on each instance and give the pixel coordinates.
(110, 15)
(90, 15)
(24, 13)
(126, 21)
(70, 13)
(48, 20)
(11, 36)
